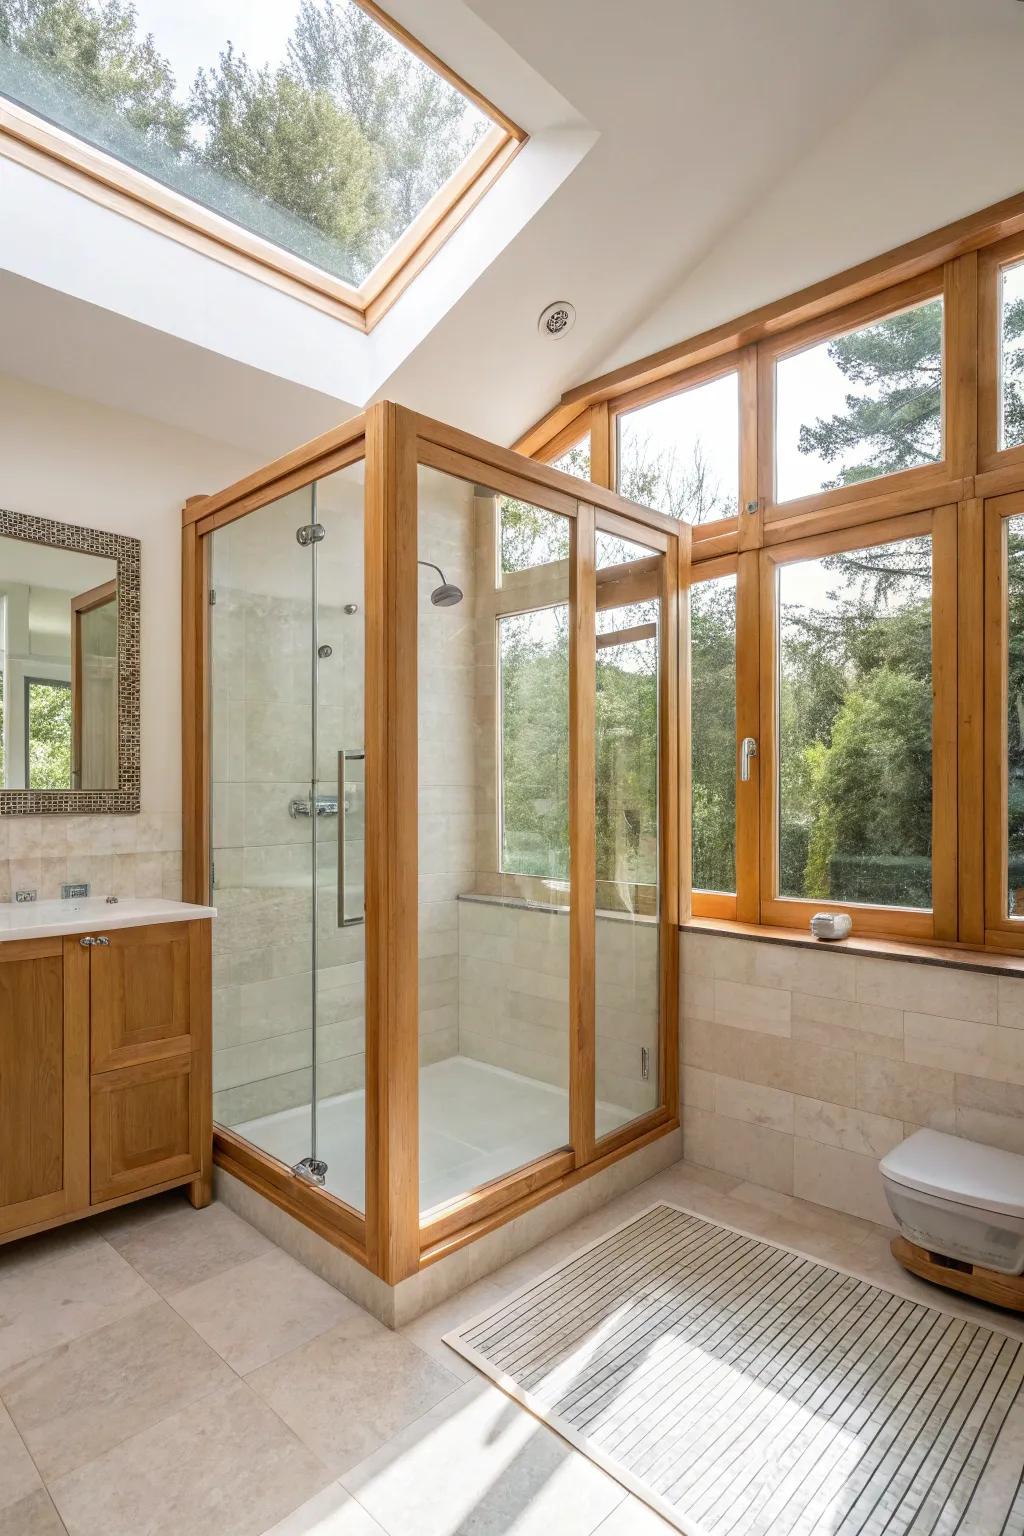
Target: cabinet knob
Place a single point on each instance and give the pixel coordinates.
(89, 941)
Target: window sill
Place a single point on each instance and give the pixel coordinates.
(958, 956)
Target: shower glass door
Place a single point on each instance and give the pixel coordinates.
(286, 699)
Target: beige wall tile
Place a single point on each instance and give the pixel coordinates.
(961, 1045)
(753, 1152)
(699, 1137)
(854, 1130)
(826, 972)
(696, 996)
(698, 1088)
(821, 1073)
(753, 1102)
(750, 1055)
(844, 1180)
(983, 1093)
(902, 1090)
(1010, 1001)
(927, 989)
(992, 1130)
(764, 1009)
(860, 1018)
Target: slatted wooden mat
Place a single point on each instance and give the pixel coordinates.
(742, 1389)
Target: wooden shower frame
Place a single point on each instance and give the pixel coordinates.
(391, 1239)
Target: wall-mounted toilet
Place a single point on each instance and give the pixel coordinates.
(956, 1198)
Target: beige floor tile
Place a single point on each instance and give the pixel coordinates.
(257, 1311)
(32, 1516)
(61, 1286)
(479, 1463)
(18, 1475)
(330, 1513)
(226, 1466)
(428, 1330)
(173, 1246)
(81, 1399)
(351, 1389)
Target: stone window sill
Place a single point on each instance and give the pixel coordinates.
(959, 956)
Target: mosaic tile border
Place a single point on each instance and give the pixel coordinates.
(123, 801)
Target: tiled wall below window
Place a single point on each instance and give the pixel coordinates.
(117, 855)
(802, 1067)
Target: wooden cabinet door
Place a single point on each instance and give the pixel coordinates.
(141, 995)
(145, 1127)
(44, 1084)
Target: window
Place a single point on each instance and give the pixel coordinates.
(713, 733)
(575, 460)
(860, 405)
(626, 756)
(1014, 707)
(533, 671)
(47, 734)
(529, 536)
(1011, 330)
(308, 123)
(855, 726)
(681, 455)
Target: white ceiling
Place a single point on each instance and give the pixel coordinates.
(712, 118)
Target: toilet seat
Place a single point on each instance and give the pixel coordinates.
(964, 1172)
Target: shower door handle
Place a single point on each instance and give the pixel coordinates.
(344, 921)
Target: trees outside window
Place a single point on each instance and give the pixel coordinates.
(855, 726)
(713, 733)
(330, 149)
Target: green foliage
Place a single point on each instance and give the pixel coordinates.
(855, 732)
(95, 48)
(49, 735)
(713, 738)
(291, 145)
(530, 536)
(894, 420)
(351, 135)
(534, 653)
(1013, 373)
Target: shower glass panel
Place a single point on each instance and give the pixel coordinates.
(493, 834)
(286, 715)
(626, 737)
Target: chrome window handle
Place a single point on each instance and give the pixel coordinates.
(89, 941)
(748, 750)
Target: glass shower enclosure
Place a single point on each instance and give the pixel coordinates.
(431, 785)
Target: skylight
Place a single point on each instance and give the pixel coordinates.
(316, 125)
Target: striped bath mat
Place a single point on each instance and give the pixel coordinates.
(743, 1390)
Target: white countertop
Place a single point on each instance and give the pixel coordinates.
(93, 914)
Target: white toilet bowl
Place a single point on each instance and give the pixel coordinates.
(958, 1198)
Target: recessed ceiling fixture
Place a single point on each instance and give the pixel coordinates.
(557, 318)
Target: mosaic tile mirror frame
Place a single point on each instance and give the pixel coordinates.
(119, 794)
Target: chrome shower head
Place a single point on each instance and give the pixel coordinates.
(447, 594)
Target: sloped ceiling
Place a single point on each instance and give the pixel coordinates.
(743, 148)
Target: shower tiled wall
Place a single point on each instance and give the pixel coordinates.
(117, 855)
(802, 1066)
(514, 998)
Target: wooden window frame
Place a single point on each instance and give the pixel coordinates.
(393, 1238)
(992, 458)
(61, 156)
(1001, 930)
(940, 922)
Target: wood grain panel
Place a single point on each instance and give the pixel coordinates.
(142, 1129)
(140, 995)
(31, 1079)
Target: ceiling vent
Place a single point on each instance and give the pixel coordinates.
(557, 319)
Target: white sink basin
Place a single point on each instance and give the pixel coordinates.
(43, 919)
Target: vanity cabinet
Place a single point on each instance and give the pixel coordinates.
(105, 1091)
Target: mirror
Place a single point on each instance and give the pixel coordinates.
(68, 613)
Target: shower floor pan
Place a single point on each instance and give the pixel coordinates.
(477, 1122)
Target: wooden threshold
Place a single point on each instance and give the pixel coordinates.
(317, 1209)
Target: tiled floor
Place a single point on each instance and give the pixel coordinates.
(165, 1372)
(477, 1122)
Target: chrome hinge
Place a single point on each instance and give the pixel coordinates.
(213, 596)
